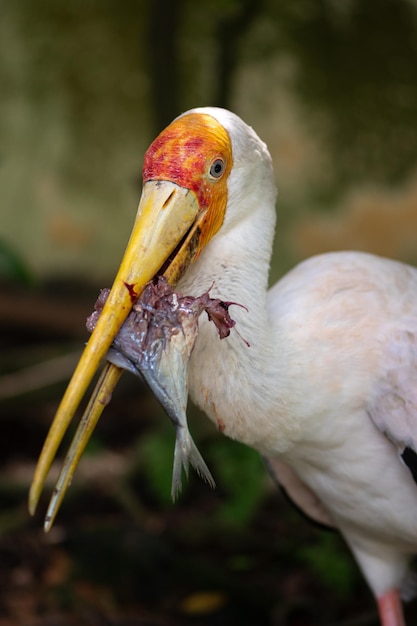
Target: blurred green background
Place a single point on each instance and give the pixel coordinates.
(84, 88)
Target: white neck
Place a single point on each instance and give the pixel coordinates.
(229, 380)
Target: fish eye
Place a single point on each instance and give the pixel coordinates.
(217, 168)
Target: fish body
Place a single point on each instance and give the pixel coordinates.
(155, 343)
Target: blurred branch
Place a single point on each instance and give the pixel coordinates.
(24, 313)
(163, 60)
(229, 32)
(38, 376)
(42, 312)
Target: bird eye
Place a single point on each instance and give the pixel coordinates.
(217, 168)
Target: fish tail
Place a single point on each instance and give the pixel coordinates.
(187, 452)
(180, 461)
(199, 464)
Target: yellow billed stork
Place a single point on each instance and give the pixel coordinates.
(325, 385)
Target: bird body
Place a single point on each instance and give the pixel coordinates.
(321, 377)
(328, 382)
(325, 340)
(312, 386)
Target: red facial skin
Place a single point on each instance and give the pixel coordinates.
(183, 154)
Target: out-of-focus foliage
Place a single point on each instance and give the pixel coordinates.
(240, 474)
(13, 268)
(332, 564)
(157, 452)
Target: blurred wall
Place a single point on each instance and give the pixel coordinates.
(331, 87)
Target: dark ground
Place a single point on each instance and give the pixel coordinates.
(120, 553)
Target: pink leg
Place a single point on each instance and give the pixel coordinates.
(390, 609)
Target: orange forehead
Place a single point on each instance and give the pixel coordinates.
(183, 153)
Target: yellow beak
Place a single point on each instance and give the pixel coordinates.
(164, 239)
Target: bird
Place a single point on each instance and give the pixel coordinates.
(321, 377)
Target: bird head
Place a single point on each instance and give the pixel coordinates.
(189, 172)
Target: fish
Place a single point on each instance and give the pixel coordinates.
(155, 343)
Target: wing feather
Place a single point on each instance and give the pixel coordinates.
(393, 407)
